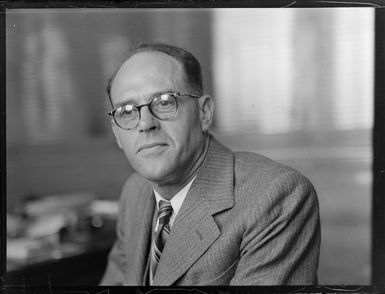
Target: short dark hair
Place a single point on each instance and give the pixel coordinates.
(190, 64)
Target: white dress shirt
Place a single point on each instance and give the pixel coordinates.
(176, 203)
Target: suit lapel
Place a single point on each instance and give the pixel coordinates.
(139, 237)
(195, 229)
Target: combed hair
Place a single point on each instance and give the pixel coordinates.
(190, 64)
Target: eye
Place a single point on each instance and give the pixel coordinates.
(164, 100)
(126, 110)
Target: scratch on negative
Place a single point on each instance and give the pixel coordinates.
(290, 4)
(358, 3)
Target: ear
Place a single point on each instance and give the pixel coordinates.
(206, 111)
(116, 133)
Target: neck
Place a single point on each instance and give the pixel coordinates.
(169, 191)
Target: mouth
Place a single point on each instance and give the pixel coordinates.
(151, 146)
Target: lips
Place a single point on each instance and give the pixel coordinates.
(152, 145)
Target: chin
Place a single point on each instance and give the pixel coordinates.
(156, 173)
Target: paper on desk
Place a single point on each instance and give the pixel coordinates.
(53, 204)
(46, 225)
(104, 207)
(23, 249)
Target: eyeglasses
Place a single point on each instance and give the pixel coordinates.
(163, 106)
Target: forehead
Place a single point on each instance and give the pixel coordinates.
(147, 72)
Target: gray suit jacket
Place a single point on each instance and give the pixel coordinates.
(246, 220)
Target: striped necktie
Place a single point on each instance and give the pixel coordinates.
(165, 211)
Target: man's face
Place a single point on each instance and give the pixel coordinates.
(161, 151)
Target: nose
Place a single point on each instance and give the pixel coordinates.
(147, 121)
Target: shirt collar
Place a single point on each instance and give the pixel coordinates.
(177, 200)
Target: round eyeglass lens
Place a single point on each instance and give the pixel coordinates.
(164, 106)
(127, 116)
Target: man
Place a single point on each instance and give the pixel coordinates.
(195, 213)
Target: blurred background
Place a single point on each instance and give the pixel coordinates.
(295, 85)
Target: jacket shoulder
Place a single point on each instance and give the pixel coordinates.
(257, 174)
(259, 167)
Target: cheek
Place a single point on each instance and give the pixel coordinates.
(187, 137)
(127, 145)
(188, 123)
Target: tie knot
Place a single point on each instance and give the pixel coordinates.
(165, 210)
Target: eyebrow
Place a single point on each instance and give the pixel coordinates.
(129, 100)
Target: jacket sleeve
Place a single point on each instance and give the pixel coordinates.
(114, 274)
(285, 250)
